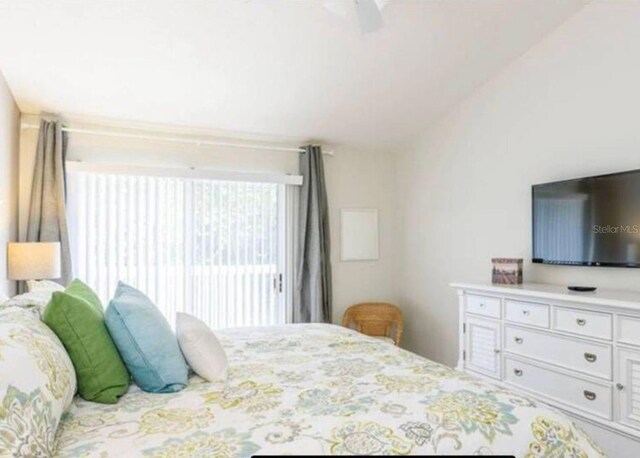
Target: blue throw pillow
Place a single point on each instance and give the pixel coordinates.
(145, 341)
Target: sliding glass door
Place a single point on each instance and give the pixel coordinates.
(214, 249)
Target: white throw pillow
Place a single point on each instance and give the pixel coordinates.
(201, 348)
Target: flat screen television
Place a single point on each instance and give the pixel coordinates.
(591, 221)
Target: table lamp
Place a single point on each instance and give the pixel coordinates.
(33, 261)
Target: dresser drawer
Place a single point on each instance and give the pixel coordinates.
(591, 358)
(628, 330)
(530, 313)
(483, 305)
(572, 391)
(583, 322)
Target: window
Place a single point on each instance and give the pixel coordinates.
(214, 249)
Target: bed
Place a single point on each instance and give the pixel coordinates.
(321, 389)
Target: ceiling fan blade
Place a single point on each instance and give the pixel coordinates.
(381, 3)
(339, 7)
(369, 15)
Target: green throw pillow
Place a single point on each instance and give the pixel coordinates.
(77, 317)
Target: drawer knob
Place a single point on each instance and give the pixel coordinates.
(518, 372)
(590, 357)
(590, 395)
(496, 351)
(525, 312)
(518, 340)
(620, 386)
(482, 304)
(581, 321)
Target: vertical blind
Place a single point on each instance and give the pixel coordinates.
(210, 248)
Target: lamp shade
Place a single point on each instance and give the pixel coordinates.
(33, 260)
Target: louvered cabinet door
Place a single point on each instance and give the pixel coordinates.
(628, 387)
(482, 346)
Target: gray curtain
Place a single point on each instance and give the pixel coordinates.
(47, 209)
(312, 298)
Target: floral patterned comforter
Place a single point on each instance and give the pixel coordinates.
(321, 389)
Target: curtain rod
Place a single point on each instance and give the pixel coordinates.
(183, 172)
(190, 141)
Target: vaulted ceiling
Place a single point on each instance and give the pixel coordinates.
(283, 68)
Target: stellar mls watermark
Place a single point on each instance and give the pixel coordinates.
(622, 229)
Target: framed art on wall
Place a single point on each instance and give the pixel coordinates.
(359, 234)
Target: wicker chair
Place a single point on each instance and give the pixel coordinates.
(375, 319)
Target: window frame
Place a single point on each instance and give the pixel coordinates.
(288, 198)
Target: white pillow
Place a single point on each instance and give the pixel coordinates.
(34, 301)
(201, 348)
(44, 285)
(37, 385)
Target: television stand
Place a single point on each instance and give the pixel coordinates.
(577, 352)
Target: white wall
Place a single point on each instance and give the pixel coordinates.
(569, 107)
(354, 179)
(9, 122)
(363, 179)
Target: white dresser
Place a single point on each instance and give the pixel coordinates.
(577, 351)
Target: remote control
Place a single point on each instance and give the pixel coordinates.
(582, 289)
